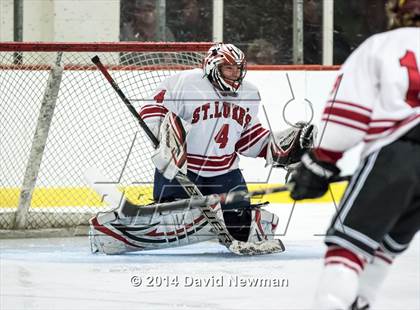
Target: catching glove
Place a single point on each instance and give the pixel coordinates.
(287, 147)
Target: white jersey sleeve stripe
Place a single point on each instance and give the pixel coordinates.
(262, 134)
(375, 133)
(349, 104)
(160, 115)
(351, 115)
(247, 138)
(255, 127)
(146, 111)
(344, 122)
(349, 108)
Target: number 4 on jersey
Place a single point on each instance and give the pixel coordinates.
(160, 96)
(413, 92)
(222, 136)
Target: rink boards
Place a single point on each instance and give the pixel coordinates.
(86, 197)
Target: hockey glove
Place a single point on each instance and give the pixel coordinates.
(311, 177)
(287, 147)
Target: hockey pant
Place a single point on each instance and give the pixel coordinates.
(237, 222)
(381, 206)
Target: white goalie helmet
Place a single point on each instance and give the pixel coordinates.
(220, 54)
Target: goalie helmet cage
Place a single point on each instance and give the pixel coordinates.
(49, 139)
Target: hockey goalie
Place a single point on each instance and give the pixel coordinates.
(203, 123)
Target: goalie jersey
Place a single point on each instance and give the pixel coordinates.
(365, 112)
(220, 127)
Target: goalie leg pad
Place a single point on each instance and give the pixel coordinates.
(112, 235)
(263, 225)
(261, 235)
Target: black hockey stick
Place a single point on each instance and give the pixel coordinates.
(189, 187)
(225, 238)
(127, 102)
(198, 202)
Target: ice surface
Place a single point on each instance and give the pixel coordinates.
(60, 273)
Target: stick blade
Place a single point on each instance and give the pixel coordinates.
(257, 248)
(104, 187)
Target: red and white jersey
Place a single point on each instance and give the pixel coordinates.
(221, 126)
(375, 98)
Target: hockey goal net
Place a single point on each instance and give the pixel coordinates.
(59, 116)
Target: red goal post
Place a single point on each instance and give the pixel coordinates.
(57, 123)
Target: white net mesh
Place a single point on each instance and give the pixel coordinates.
(90, 127)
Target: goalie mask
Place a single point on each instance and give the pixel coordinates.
(224, 54)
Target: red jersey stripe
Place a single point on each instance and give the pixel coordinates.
(347, 114)
(249, 138)
(343, 124)
(350, 104)
(257, 139)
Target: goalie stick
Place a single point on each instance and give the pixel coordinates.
(111, 194)
(225, 238)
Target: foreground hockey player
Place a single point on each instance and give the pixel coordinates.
(204, 122)
(376, 99)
